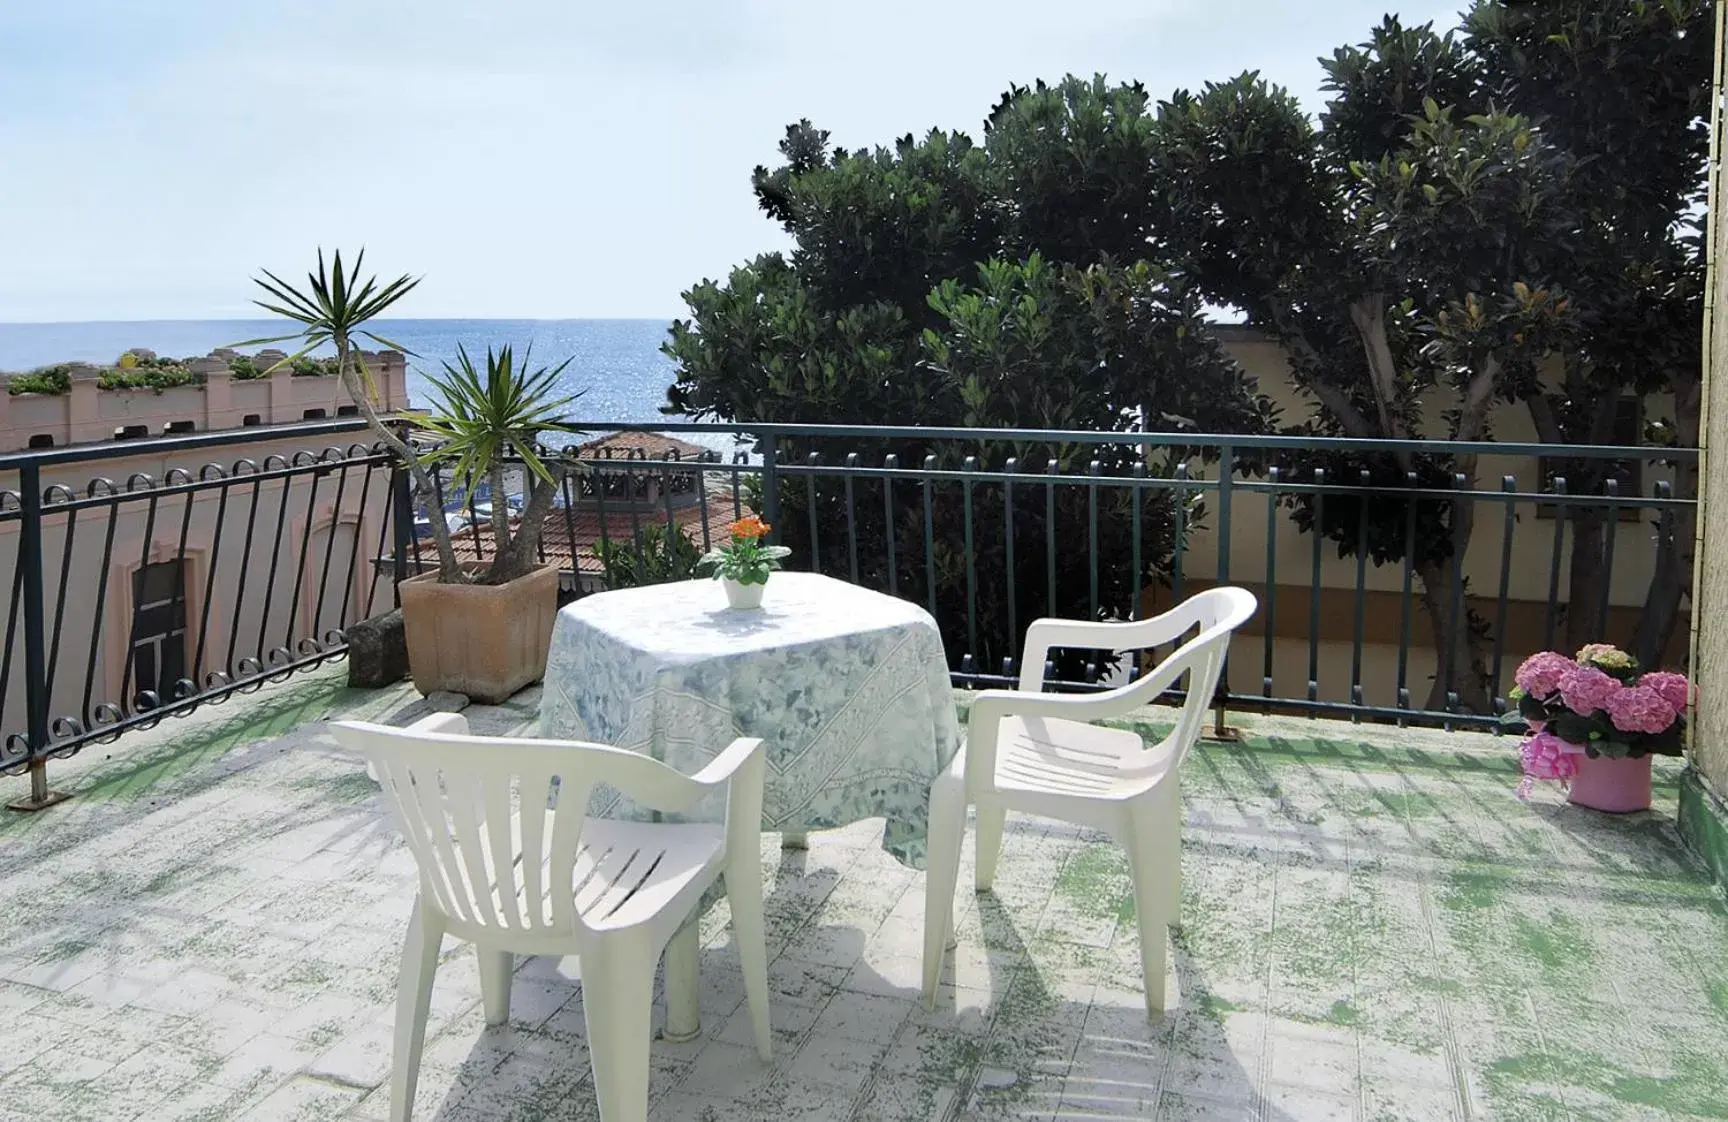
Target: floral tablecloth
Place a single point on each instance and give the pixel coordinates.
(848, 689)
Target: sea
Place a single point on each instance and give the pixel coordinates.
(615, 364)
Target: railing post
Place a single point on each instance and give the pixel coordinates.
(35, 640)
(771, 486)
(1221, 729)
(402, 520)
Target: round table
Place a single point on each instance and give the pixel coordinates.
(848, 689)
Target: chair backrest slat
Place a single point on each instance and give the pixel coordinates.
(561, 854)
(423, 823)
(502, 823)
(461, 802)
(536, 792)
(476, 814)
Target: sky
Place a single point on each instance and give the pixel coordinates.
(529, 158)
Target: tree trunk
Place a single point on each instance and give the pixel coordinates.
(348, 369)
(1462, 662)
(1584, 622)
(500, 513)
(1461, 655)
(523, 553)
(1676, 540)
(1591, 526)
(1671, 582)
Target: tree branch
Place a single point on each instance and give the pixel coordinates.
(500, 513)
(349, 366)
(1542, 415)
(523, 552)
(1368, 315)
(1478, 396)
(1337, 402)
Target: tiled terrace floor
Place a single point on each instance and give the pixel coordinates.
(1374, 928)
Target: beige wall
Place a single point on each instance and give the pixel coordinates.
(214, 566)
(1709, 739)
(1528, 583)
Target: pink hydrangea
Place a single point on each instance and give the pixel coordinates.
(1676, 689)
(1545, 756)
(1539, 675)
(1641, 709)
(1586, 689)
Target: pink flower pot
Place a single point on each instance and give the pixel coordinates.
(1615, 786)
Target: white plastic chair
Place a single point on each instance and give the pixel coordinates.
(1038, 753)
(499, 869)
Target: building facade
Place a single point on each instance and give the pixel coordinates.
(174, 566)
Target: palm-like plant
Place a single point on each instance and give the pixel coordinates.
(483, 421)
(486, 419)
(334, 308)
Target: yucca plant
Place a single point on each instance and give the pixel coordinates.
(487, 418)
(481, 419)
(334, 308)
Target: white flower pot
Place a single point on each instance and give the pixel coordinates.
(743, 597)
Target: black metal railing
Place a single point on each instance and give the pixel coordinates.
(1372, 617)
(139, 599)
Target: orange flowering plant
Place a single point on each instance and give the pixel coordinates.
(745, 558)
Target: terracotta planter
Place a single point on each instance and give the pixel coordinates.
(486, 641)
(1615, 786)
(743, 597)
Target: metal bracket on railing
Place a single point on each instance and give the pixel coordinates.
(1220, 732)
(41, 796)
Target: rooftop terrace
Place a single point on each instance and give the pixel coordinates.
(1374, 928)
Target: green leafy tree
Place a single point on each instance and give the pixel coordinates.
(1623, 86)
(1393, 265)
(1451, 228)
(945, 282)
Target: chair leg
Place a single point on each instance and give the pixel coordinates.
(991, 820)
(750, 933)
(413, 1005)
(1173, 855)
(496, 967)
(618, 1006)
(1148, 864)
(947, 832)
(683, 970)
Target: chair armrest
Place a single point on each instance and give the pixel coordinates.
(993, 705)
(741, 768)
(1115, 636)
(722, 767)
(989, 707)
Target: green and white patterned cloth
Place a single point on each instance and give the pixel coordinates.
(848, 689)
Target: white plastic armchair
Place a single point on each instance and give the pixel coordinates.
(1043, 754)
(509, 861)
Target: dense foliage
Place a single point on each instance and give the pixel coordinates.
(1470, 212)
(657, 555)
(1502, 215)
(151, 372)
(947, 283)
(129, 372)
